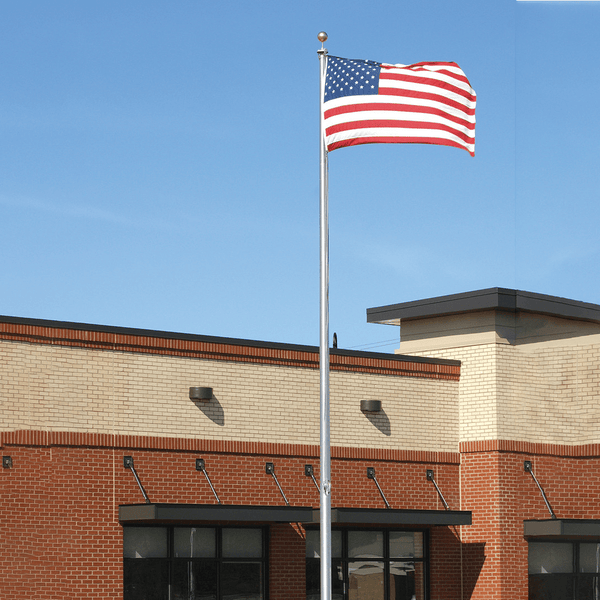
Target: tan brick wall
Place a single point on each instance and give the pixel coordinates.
(546, 392)
(59, 388)
(550, 393)
(478, 402)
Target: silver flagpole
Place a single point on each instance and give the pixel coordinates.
(325, 507)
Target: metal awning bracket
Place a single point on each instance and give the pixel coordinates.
(200, 466)
(528, 468)
(431, 477)
(309, 472)
(371, 475)
(270, 470)
(128, 464)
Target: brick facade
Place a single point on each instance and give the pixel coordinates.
(62, 537)
(472, 397)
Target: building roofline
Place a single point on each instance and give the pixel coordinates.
(501, 299)
(129, 339)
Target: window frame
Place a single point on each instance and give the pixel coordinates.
(218, 559)
(345, 559)
(575, 575)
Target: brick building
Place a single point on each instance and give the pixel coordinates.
(120, 481)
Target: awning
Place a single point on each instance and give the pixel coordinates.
(562, 528)
(168, 513)
(391, 516)
(164, 513)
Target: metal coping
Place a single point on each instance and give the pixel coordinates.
(162, 513)
(488, 299)
(130, 331)
(562, 528)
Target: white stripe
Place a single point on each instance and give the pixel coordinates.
(375, 99)
(426, 89)
(429, 66)
(435, 76)
(373, 115)
(396, 133)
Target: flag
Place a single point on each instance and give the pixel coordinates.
(367, 102)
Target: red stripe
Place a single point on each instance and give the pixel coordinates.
(398, 125)
(432, 64)
(426, 96)
(420, 67)
(392, 140)
(444, 85)
(356, 108)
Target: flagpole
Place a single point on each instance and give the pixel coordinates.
(325, 462)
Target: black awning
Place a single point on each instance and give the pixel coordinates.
(562, 528)
(163, 513)
(391, 516)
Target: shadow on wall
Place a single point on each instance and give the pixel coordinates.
(212, 409)
(381, 421)
(473, 559)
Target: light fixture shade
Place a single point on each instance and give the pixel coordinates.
(370, 406)
(201, 393)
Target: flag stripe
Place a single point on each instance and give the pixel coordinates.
(435, 79)
(396, 140)
(349, 103)
(398, 135)
(376, 124)
(467, 110)
(444, 94)
(392, 109)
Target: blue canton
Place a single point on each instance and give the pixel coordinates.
(349, 77)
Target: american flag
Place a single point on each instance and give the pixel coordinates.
(367, 102)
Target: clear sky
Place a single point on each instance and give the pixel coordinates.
(159, 164)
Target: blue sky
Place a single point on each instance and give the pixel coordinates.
(159, 164)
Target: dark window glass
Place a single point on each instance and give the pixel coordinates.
(373, 565)
(313, 580)
(146, 579)
(587, 588)
(193, 563)
(564, 570)
(194, 580)
(402, 581)
(242, 581)
(589, 558)
(554, 587)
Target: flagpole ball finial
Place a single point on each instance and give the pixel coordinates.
(322, 37)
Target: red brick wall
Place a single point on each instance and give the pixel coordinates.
(61, 538)
(287, 568)
(502, 495)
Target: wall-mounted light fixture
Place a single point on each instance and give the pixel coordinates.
(370, 406)
(7, 462)
(201, 393)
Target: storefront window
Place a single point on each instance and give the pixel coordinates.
(370, 565)
(194, 563)
(564, 570)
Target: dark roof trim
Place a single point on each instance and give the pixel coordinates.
(489, 299)
(138, 334)
(391, 516)
(165, 513)
(562, 528)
